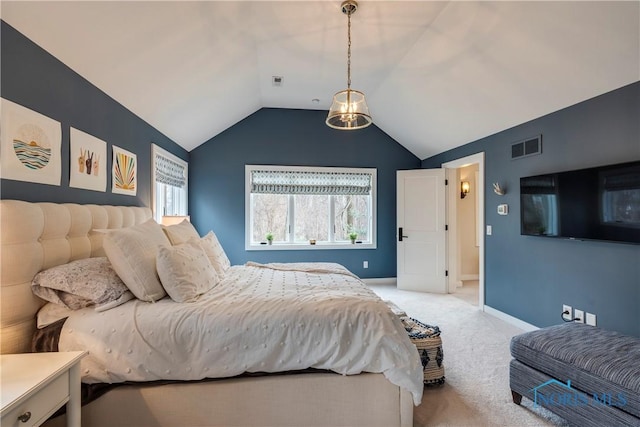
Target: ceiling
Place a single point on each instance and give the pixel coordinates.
(436, 74)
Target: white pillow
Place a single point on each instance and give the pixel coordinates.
(51, 313)
(215, 252)
(185, 271)
(132, 253)
(181, 233)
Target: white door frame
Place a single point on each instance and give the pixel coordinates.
(452, 242)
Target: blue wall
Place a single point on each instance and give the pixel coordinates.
(296, 138)
(35, 79)
(531, 277)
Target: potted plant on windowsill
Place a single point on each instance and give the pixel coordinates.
(269, 238)
(353, 236)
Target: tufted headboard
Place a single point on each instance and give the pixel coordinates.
(37, 236)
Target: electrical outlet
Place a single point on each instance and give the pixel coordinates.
(365, 264)
(578, 315)
(567, 313)
(591, 319)
(489, 230)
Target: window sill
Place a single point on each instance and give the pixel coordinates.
(307, 246)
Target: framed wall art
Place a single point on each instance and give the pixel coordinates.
(30, 145)
(124, 174)
(87, 161)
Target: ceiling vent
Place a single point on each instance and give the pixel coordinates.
(526, 148)
(277, 81)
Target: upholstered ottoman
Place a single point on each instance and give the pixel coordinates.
(587, 375)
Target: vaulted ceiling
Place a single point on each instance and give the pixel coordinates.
(436, 74)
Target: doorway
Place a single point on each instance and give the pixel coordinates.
(465, 218)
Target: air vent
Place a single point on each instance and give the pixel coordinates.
(526, 148)
(277, 80)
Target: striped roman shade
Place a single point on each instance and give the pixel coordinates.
(169, 172)
(304, 182)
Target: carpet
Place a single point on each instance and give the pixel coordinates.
(476, 360)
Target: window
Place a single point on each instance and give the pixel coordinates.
(169, 175)
(300, 205)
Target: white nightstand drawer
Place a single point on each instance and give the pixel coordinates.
(42, 404)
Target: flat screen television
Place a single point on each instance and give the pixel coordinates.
(599, 203)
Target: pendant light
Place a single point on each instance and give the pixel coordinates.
(349, 110)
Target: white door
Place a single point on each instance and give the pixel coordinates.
(421, 230)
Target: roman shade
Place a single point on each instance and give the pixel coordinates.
(169, 172)
(302, 182)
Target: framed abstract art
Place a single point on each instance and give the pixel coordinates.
(87, 161)
(124, 174)
(30, 145)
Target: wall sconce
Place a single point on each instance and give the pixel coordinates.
(174, 219)
(464, 189)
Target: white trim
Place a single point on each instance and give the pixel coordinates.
(307, 246)
(453, 260)
(466, 161)
(289, 246)
(527, 327)
(469, 277)
(381, 281)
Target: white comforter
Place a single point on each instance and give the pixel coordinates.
(259, 319)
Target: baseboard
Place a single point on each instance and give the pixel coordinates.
(510, 319)
(470, 277)
(381, 281)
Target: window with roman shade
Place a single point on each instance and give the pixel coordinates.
(170, 184)
(310, 207)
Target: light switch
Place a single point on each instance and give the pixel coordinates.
(489, 230)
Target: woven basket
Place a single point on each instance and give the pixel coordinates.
(427, 340)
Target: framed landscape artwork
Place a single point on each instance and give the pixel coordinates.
(124, 179)
(87, 161)
(30, 145)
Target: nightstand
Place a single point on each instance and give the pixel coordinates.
(35, 385)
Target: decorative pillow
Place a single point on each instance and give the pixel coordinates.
(80, 283)
(215, 252)
(132, 252)
(185, 271)
(181, 233)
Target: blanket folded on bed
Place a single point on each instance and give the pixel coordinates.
(306, 267)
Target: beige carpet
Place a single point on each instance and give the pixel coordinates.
(468, 292)
(476, 359)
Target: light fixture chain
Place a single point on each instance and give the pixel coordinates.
(349, 50)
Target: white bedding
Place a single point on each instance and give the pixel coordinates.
(258, 319)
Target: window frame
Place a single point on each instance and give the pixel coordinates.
(156, 150)
(249, 246)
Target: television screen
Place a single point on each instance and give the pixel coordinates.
(600, 203)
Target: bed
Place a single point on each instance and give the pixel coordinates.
(38, 236)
